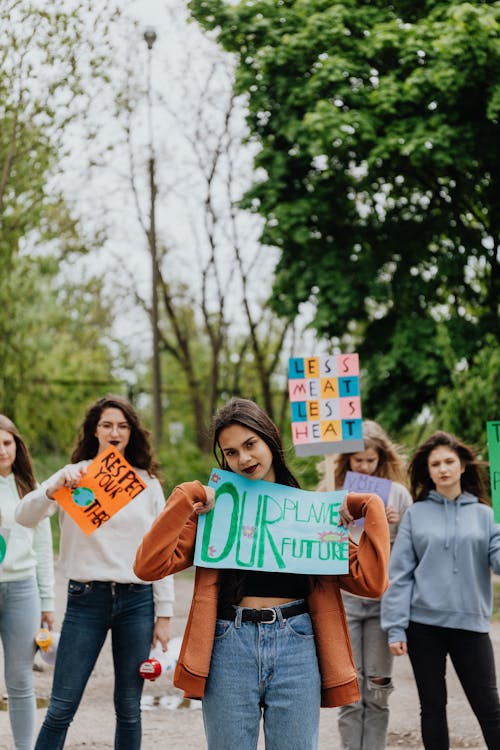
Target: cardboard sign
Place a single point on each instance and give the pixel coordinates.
(108, 484)
(266, 526)
(355, 481)
(493, 434)
(4, 538)
(326, 404)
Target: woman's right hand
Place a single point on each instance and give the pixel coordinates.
(205, 506)
(68, 477)
(398, 648)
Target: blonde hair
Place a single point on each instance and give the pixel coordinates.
(391, 461)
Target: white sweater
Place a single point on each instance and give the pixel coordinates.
(109, 552)
(29, 551)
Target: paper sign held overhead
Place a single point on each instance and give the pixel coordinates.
(108, 484)
(258, 525)
(325, 404)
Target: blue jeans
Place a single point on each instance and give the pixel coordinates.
(19, 623)
(94, 608)
(363, 725)
(267, 670)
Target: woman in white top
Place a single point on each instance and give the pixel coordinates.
(103, 591)
(26, 583)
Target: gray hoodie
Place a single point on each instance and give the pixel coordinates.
(440, 567)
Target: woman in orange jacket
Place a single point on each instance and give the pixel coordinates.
(261, 644)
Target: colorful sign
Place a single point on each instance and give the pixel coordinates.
(493, 434)
(108, 484)
(265, 526)
(355, 481)
(326, 404)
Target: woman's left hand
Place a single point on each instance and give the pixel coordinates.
(162, 632)
(48, 619)
(345, 516)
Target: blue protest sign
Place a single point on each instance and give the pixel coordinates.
(266, 526)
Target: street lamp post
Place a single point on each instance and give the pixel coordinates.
(150, 38)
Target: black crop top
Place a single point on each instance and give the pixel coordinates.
(278, 585)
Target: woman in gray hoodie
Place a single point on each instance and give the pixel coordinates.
(439, 598)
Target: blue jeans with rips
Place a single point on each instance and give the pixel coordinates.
(19, 622)
(268, 671)
(93, 608)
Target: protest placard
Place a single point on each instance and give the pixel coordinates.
(4, 538)
(257, 525)
(109, 483)
(493, 434)
(325, 404)
(355, 481)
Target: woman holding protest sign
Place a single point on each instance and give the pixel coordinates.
(439, 600)
(262, 644)
(363, 725)
(26, 583)
(103, 591)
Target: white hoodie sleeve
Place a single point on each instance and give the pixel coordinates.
(36, 506)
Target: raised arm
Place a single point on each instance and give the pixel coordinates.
(368, 561)
(169, 544)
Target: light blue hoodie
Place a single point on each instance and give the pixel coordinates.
(440, 567)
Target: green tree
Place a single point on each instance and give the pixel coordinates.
(53, 332)
(216, 332)
(472, 399)
(378, 175)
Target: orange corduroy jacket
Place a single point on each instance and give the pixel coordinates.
(168, 548)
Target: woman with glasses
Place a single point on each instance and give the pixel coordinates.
(103, 591)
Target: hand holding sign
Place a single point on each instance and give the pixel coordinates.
(209, 502)
(355, 481)
(91, 498)
(67, 477)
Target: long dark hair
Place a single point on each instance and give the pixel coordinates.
(471, 480)
(246, 413)
(22, 468)
(138, 452)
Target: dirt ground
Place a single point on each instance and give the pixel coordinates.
(181, 728)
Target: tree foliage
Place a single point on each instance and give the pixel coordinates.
(216, 332)
(53, 329)
(378, 175)
(473, 398)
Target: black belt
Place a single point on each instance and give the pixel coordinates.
(266, 614)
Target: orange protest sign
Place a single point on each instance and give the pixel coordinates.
(108, 484)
